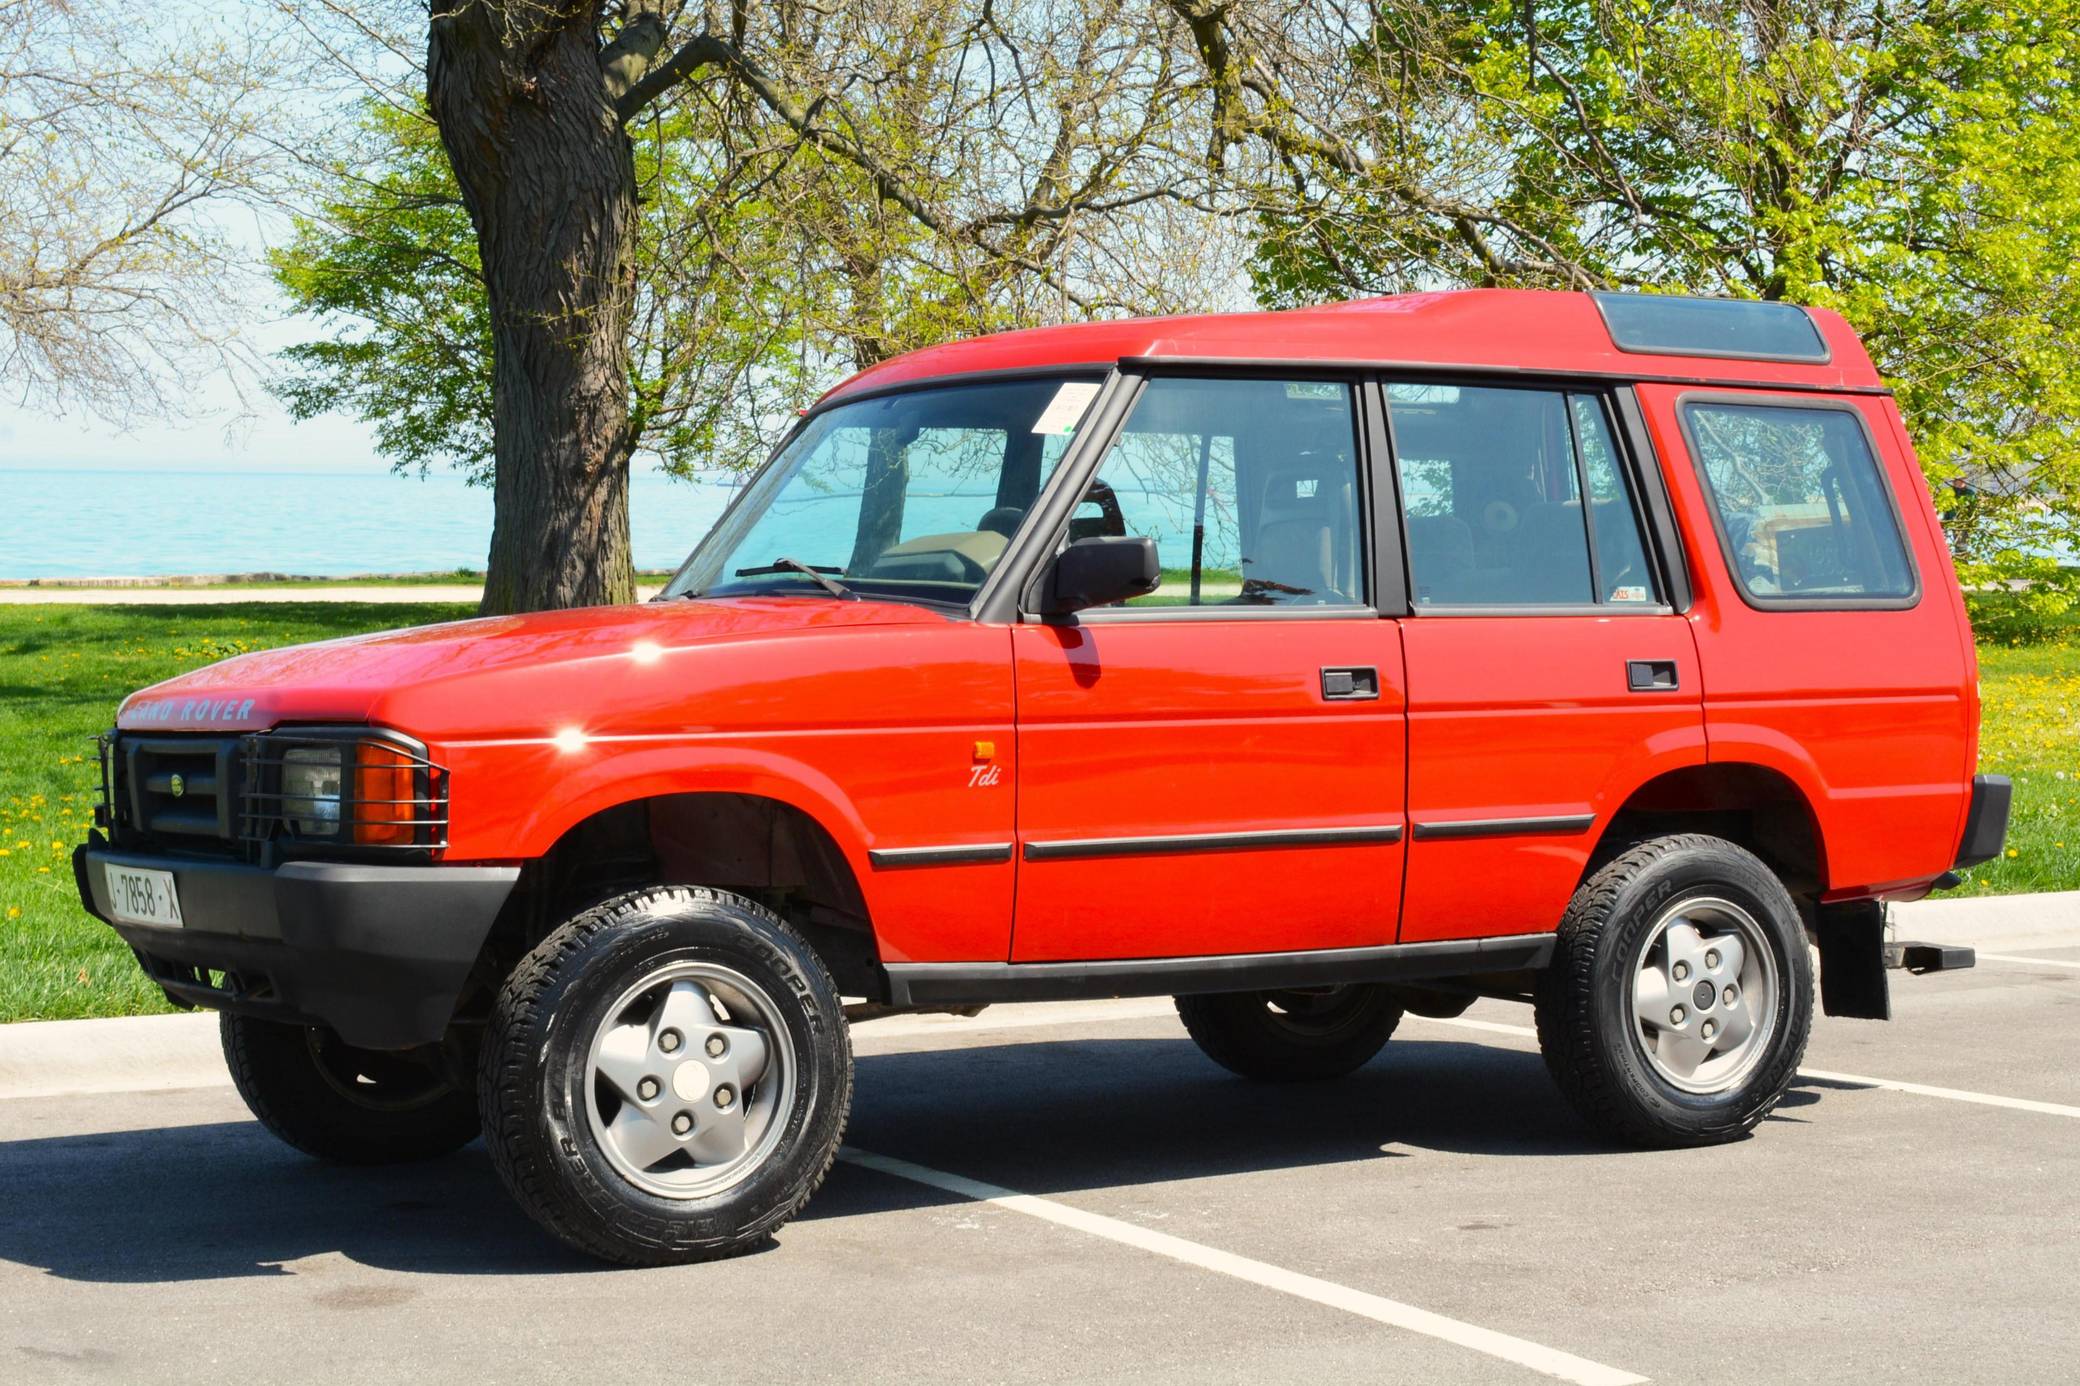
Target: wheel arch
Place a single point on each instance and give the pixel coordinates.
(623, 775)
(768, 848)
(1758, 807)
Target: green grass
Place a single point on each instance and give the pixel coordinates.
(2030, 732)
(63, 669)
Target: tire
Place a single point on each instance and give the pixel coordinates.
(666, 1005)
(1628, 1031)
(1291, 1036)
(331, 1100)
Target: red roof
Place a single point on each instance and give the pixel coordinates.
(1527, 329)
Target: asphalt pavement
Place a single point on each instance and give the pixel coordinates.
(1074, 1194)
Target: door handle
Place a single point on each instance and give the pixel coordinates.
(1350, 684)
(1651, 675)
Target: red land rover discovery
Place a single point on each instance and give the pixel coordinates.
(1601, 652)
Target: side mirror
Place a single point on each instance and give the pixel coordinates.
(1098, 572)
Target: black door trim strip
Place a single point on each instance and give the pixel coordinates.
(1564, 825)
(982, 854)
(1064, 848)
(979, 983)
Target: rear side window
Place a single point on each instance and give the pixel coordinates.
(1515, 498)
(1801, 504)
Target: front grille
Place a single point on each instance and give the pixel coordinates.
(177, 786)
(223, 795)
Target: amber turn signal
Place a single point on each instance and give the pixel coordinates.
(386, 808)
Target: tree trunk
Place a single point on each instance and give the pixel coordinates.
(548, 178)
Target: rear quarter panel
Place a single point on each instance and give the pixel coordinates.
(1872, 713)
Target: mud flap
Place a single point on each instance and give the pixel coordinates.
(1852, 961)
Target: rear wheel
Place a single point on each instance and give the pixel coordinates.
(1680, 996)
(667, 1077)
(331, 1100)
(1293, 1035)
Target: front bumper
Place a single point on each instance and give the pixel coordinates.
(378, 953)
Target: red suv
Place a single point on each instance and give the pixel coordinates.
(1596, 651)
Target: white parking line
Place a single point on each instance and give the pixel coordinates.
(2039, 962)
(1547, 1361)
(1984, 1099)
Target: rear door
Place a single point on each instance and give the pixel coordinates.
(1548, 673)
(1218, 768)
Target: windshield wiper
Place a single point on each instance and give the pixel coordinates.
(820, 576)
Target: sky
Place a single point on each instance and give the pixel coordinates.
(221, 430)
(223, 424)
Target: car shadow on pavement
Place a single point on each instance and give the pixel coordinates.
(1065, 1115)
(225, 1199)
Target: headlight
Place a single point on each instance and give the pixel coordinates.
(310, 790)
(335, 786)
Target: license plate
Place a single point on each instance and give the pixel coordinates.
(137, 896)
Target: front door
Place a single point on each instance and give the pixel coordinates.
(1218, 768)
(1547, 675)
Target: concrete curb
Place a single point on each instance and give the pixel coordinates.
(56, 1058)
(133, 1053)
(1995, 922)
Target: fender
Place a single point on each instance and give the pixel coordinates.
(959, 911)
(493, 822)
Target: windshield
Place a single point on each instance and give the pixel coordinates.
(913, 495)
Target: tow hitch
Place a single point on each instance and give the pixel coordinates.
(1855, 955)
(1918, 958)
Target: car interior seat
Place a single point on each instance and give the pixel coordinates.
(1302, 550)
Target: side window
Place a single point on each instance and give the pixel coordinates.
(1515, 498)
(1801, 504)
(1248, 487)
(1623, 573)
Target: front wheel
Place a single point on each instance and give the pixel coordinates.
(1294, 1035)
(1680, 996)
(331, 1100)
(666, 1077)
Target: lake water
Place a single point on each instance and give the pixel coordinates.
(97, 521)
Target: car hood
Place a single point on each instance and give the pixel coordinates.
(350, 679)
